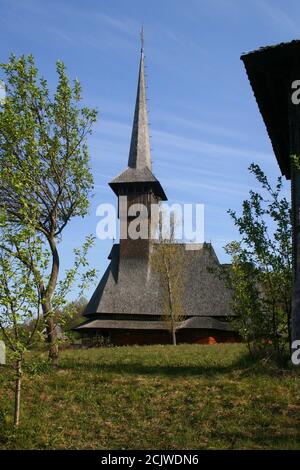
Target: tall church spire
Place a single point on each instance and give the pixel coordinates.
(139, 153)
(138, 176)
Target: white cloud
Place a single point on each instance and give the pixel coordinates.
(207, 148)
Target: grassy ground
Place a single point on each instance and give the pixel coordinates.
(156, 397)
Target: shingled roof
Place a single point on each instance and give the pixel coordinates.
(131, 287)
(206, 323)
(271, 70)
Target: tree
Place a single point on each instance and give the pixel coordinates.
(260, 276)
(20, 298)
(24, 264)
(44, 163)
(70, 316)
(168, 261)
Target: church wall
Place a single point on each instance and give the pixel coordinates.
(142, 337)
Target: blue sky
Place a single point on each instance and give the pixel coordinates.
(205, 126)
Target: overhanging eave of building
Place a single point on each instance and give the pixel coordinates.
(271, 71)
(208, 323)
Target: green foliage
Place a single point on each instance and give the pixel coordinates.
(20, 299)
(45, 163)
(295, 162)
(45, 179)
(75, 274)
(37, 367)
(261, 272)
(70, 316)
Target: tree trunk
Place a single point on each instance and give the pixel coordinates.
(18, 368)
(51, 333)
(47, 307)
(174, 336)
(288, 309)
(52, 340)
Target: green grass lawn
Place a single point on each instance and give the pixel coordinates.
(153, 397)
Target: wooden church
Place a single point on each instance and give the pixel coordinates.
(127, 305)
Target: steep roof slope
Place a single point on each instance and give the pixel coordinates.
(130, 286)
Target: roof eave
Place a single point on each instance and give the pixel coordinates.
(269, 72)
(155, 185)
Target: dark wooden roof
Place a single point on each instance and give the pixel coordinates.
(140, 177)
(207, 323)
(130, 287)
(271, 70)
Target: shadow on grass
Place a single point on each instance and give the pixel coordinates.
(261, 439)
(244, 365)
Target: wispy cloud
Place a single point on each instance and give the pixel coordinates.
(124, 24)
(188, 185)
(200, 125)
(61, 20)
(278, 16)
(172, 140)
(204, 147)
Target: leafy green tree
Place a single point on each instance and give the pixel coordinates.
(70, 315)
(44, 165)
(24, 263)
(20, 298)
(261, 272)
